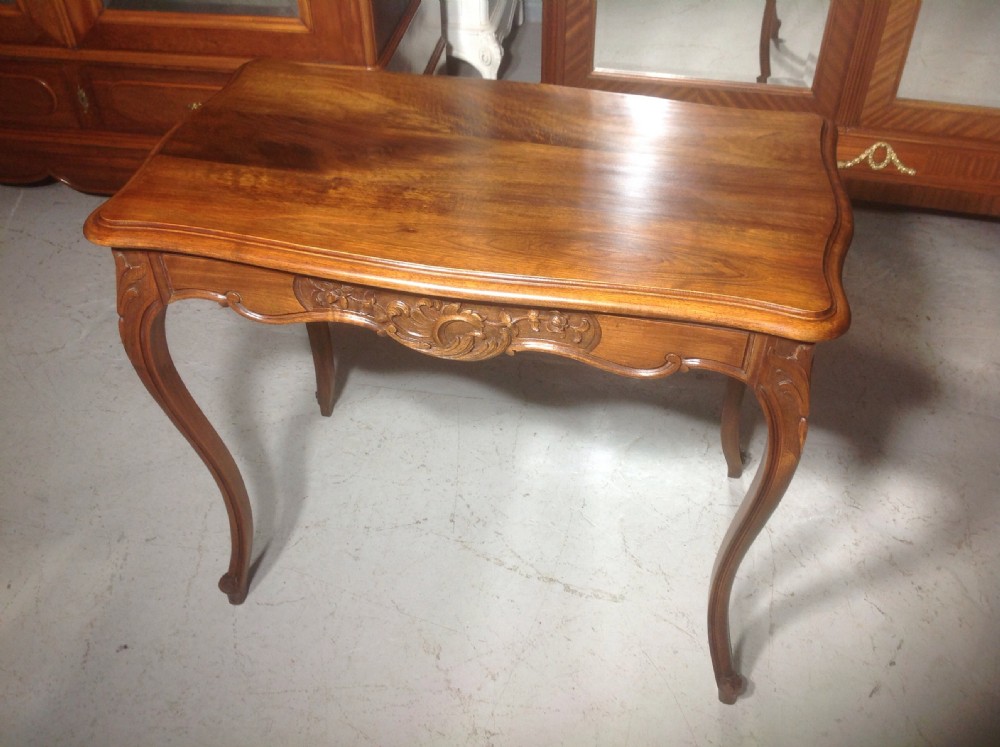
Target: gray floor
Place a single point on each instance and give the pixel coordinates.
(509, 553)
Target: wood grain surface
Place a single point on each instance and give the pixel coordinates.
(515, 193)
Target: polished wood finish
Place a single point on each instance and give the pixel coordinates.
(46, 22)
(641, 236)
(86, 92)
(954, 150)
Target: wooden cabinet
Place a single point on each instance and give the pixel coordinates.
(894, 146)
(951, 148)
(36, 95)
(87, 87)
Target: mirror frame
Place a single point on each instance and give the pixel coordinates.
(885, 109)
(568, 36)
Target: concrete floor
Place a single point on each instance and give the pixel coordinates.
(511, 553)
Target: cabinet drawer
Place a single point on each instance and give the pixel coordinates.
(36, 95)
(147, 101)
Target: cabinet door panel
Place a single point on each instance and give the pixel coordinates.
(884, 108)
(147, 101)
(46, 22)
(266, 8)
(709, 40)
(949, 153)
(17, 27)
(577, 50)
(341, 31)
(954, 54)
(36, 94)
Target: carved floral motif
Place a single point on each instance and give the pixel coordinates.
(791, 380)
(132, 276)
(446, 328)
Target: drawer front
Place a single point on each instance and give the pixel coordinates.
(36, 95)
(147, 101)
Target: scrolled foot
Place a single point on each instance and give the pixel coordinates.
(321, 342)
(736, 466)
(232, 587)
(731, 687)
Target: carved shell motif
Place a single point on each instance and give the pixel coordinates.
(447, 328)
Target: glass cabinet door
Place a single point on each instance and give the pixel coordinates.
(340, 31)
(935, 71)
(759, 54)
(954, 54)
(718, 40)
(278, 8)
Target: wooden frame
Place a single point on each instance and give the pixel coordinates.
(568, 59)
(953, 149)
(39, 22)
(322, 30)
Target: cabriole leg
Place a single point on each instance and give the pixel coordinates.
(779, 375)
(141, 322)
(321, 342)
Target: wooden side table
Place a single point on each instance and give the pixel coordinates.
(469, 218)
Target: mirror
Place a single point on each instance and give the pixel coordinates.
(709, 39)
(935, 71)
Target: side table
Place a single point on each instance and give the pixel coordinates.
(466, 219)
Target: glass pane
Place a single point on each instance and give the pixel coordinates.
(955, 53)
(283, 8)
(714, 39)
